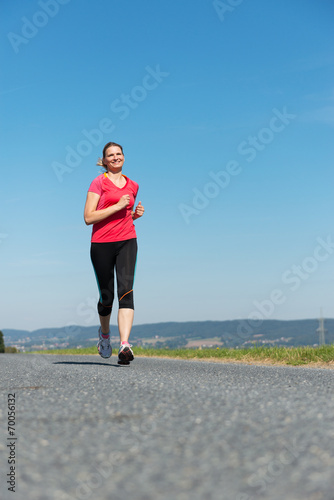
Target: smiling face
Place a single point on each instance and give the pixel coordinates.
(113, 158)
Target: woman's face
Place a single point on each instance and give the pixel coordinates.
(114, 158)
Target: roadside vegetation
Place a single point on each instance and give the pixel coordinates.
(303, 355)
(3, 348)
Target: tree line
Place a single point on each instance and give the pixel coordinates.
(3, 348)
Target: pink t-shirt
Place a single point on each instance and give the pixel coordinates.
(119, 226)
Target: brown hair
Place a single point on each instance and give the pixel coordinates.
(108, 145)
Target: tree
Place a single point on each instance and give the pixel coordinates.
(2, 343)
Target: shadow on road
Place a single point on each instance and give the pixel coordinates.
(85, 363)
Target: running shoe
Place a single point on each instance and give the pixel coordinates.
(125, 354)
(103, 346)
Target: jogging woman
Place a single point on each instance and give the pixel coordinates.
(109, 207)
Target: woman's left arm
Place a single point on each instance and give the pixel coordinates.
(139, 211)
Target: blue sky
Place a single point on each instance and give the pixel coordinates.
(225, 111)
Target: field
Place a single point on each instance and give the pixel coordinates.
(215, 341)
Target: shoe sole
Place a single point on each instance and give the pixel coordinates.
(104, 357)
(120, 362)
(125, 356)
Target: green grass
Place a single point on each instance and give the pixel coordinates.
(295, 356)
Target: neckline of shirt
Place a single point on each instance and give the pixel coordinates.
(126, 180)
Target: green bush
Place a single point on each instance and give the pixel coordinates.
(2, 343)
(11, 349)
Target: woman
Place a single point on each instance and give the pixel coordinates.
(109, 207)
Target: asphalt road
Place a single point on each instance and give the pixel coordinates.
(164, 429)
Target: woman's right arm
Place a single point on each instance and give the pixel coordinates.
(91, 215)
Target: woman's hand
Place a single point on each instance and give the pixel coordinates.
(92, 216)
(124, 201)
(139, 211)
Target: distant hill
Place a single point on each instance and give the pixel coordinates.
(231, 333)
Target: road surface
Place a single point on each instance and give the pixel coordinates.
(164, 429)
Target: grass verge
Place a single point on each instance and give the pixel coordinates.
(295, 356)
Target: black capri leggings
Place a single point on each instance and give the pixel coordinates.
(105, 257)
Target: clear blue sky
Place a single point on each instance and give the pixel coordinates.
(226, 113)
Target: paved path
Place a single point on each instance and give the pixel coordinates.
(166, 430)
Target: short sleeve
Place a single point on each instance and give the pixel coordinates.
(135, 189)
(96, 186)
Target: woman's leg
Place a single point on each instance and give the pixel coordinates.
(125, 273)
(105, 324)
(103, 260)
(125, 320)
